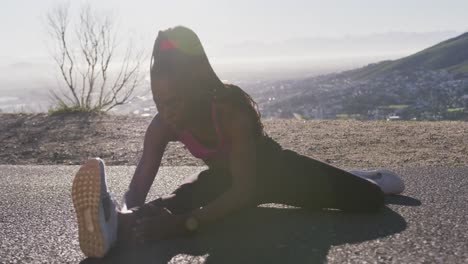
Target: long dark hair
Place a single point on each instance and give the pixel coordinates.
(179, 55)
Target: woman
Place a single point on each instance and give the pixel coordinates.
(220, 124)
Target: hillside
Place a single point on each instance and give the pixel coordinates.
(429, 85)
(450, 55)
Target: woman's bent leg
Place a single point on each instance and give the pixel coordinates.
(311, 183)
(196, 192)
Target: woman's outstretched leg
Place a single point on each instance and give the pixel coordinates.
(306, 182)
(95, 209)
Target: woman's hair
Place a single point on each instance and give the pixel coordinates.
(179, 56)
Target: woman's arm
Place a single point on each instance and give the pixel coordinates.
(241, 194)
(243, 171)
(156, 139)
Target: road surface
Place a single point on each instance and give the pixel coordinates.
(428, 224)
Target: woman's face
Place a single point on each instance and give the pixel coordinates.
(169, 103)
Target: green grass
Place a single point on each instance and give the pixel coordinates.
(395, 107)
(64, 109)
(460, 68)
(460, 109)
(348, 116)
(342, 116)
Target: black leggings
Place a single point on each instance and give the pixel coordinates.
(285, 177)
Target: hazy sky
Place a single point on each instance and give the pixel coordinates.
(221, 22)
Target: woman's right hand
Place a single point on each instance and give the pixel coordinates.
(131, 230)
(162, 225)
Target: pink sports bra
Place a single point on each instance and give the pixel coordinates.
(202, 152)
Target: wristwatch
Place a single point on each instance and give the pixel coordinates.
(191, 224)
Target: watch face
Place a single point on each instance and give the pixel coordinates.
(191, 223)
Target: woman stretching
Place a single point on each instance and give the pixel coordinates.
(220, 124)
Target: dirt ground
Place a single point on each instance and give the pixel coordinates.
(70, 139)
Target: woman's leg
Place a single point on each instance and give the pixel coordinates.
(197, 191)
(306, 182)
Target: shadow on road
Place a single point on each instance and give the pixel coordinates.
(401, 200)
(267, 235)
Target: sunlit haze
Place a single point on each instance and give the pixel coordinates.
(246, 39)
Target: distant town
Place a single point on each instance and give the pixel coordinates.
(418, 95)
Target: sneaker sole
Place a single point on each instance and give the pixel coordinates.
(86, 196)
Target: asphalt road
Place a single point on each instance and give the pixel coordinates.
(428, 224)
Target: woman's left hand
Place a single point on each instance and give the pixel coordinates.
(164, 226)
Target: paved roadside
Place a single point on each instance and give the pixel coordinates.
(428, 224)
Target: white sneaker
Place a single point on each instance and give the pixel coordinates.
(389, 182)
(95, 209)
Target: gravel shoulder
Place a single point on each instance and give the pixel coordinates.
(118, 139)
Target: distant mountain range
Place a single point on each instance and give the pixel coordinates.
(450, 55)
(431, 85)
(334, 47)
